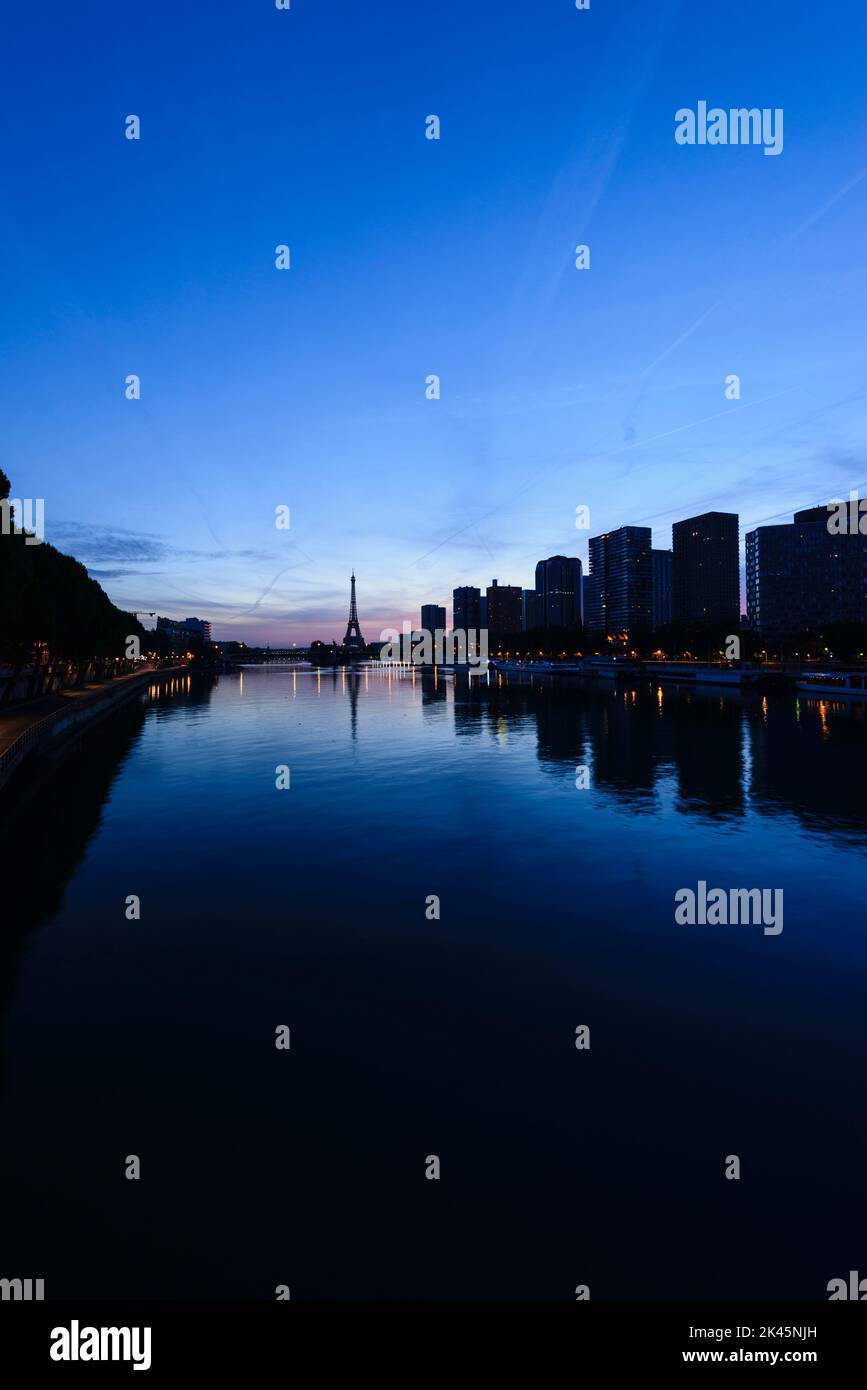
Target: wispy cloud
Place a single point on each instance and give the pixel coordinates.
(93, 544)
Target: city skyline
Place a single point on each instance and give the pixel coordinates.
(702, 547)
(433, 671)
(410, 257)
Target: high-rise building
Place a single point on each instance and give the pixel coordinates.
(705, 585)
(433, 618)
(180, 633)
(558, 591)
(801, 577)
(200, 626)
(504, 608)
(661, 560)
(466, 616)
(530, 616)
(621, 581)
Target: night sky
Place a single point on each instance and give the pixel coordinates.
(306, 388)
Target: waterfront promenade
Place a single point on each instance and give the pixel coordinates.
(24, 726)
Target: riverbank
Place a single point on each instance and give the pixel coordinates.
(42, 727)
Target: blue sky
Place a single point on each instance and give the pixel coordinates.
(560, 388)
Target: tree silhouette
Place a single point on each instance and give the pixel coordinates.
(51, 609)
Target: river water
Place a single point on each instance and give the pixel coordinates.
(419, 1030)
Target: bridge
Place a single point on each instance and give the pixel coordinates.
(264, 656)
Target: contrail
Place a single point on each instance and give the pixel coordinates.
(826, 207)
(612, 453)
(682, 339)
(266, 591)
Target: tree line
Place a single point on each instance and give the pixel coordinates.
(51, 611)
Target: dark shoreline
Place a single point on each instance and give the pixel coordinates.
(47, 739)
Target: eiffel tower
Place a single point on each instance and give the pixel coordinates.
(353, 641)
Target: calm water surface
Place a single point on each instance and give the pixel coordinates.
(455, 1037)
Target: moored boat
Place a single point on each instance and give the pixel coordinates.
(701, 673)
(834, 684)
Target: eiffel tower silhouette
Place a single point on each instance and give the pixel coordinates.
(353, 640)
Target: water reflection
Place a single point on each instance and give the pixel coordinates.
(725, 750)
(308, 907)
(50, 814)
(721, 753)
